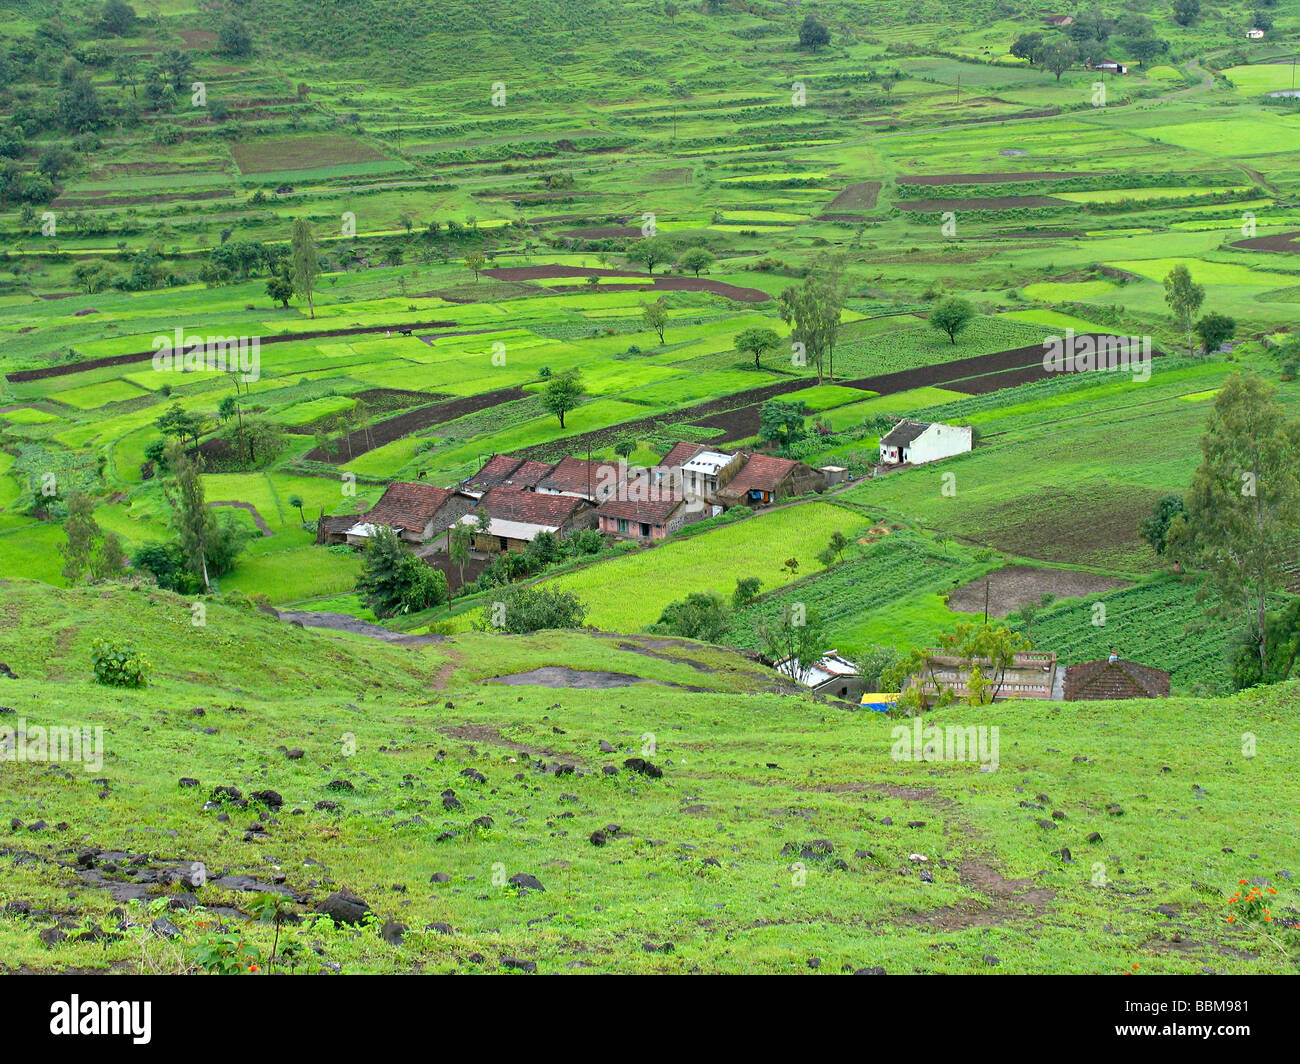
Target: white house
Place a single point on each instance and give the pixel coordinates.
(917, 442)
(831, 675)
(1255, 34)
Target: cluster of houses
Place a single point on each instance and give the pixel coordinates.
(510, 501)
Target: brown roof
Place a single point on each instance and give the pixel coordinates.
(654, 512)
(507, 469)
(763, 472)
(573, 474)
(1105, 679)
(509, 503)
(339, 522)
(405, 505)
(682, 453)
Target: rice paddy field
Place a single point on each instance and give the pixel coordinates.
(499, 192)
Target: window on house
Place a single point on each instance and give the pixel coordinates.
(622, 524)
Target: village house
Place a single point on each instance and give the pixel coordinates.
(580, 478)
(917, 442)
(416, 512)
(647, 519)
(831, 675)
(516, 516)
(765, 479)
(1107, 66)
(508, 470)
(1059, 20)
(707, 472)
(1255, 34)
(1031, 674)
(1106, 679)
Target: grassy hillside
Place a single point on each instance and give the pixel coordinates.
(704, 871)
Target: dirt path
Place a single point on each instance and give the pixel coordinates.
(258, 519)
(343, 622)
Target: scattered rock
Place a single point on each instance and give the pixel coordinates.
(524, 881)
(187, 781)
(271, 799)
(393, 932)
(440, 877)
(599, 838)
(646, 768)
(344, 907)
(519, 965)
(606, 748)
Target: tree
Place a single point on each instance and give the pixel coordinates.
(1213, 329)
(1155, 529)
(624, 448)
(1283, 629)
(459, 542)
(117, 18)
(475, 260)
(992, 650)
(563, 393)
(838, 544)
(757, 342)
(234, 38)
(1144, 48)
(79, 108)
(700, 616)
(523, 609)
(1058, 57)
(196, 523)
(814, 308)
(304, 263)
(165, 562)
(394, 581)
(179, 423)
(177, 67)
(655, 316)
(695, 260)
(793, 640)
(781, 421)
(280, 289)
(1184, 299)
(82, 532)
(951, 316)
(295, 500)
(54, 160)
(1027, 46)
(92, 276)
(650, 251)
(812, 34)
(1185, 11)
(1243, 507)
(746, 591)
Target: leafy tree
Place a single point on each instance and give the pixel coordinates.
(1185, 11)
(650, 251)
(1155, 529)
(82, 533)
(951, 316)
(1027, 46)
(196, 523)
(793, 636)
(459, 542)
(1058, 57)
(79, 108)
(523, 609)
(698, 616)
(280, 289)
(92, 276)
(1184, 298)
(563, 393)
(295, 500)
(1283, 639)
(394, 581)
(814, 308)
(838, 544)
(746, 591)
(1243, 507)
(992, 649)
(117, 18)
(695, 260)
(624, 448)
(475, 261)
(54, 160)
(304, 263)
(179, 423)
(655, 316)
(177, 67)
(1213, 329)
(757, 342)
(1144, 48)
(234, 38)
(812, 34)
(781, 421)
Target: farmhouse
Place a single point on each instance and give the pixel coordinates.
(1108, 66)
(764, 479)
(1254, 34)
(517, 516)
(577, 477)
(647, 519)
(1106, 679)
(505, 469)
(416, 512)
(1059, 20)
(916, 442)
(707, 472)
(1031, 674)
(831, 675)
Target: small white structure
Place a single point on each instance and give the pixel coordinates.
(918, 442)
(831, 675)
(1254, 34)
(704, 474)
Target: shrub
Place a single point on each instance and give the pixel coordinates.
(118, 664)
(532, 609)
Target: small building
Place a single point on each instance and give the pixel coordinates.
(1031, 674)
(832, 675)
(505, 469)
(646, 519)
(917, 442)
(707, 472)
(416, 512)
(765, 479)
(1059, 20)
(516, 516)
(1092, 681)
(578, 477)
(1108, 66)
(834, 474)
(1254, 34)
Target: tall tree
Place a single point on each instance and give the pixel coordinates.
(812, 34)
(563, 393)
(1243, 508)
(792, 638)
(814, 308)
(655, 316)
(951, 316)
(82, 532)
(196, 523)
(1184, 298)
(304, 263)
(757, 342)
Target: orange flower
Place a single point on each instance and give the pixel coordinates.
(1242, 882)
(254, 968)
(1232, 919)
(1271, 890)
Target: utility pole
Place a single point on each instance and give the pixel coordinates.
(986, 601)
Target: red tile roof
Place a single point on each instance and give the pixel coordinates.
(763, 472)
(682, 453)
(507, 469)
(406, 505)
(655, 512)
(573, 475)
(509, 503)
(1106, 679)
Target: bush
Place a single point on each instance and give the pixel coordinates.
(532, 609)
(118, 664)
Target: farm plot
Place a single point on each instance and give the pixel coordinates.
(261, 155)
(1007, 589)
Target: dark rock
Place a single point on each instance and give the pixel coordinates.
(1047, 825)
(1094, 836)
(271, 799)
(164, 927)
(609, 770)
(37, 825)
(1114, 809)
(226, 794)
(646, 768)
(474, 774)
(599, 838)
(452, 804)
(442, 929)
(518, 965)
(606, 748)
(326, 806)
(524, 881)
(344, 907)
(870, 971)
(295, 754)
(187, 781)
(927, 876)
(440, 877)
(1065, 855)
(814, 963)
(340, 785)
(1166, 910)
(887, 821)
(51, 935)
(482, 823)
(393, 932)
(991, 960)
